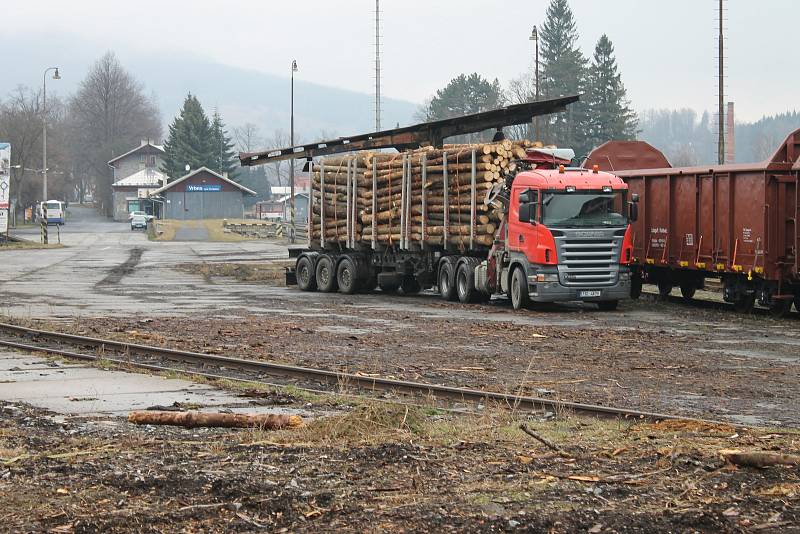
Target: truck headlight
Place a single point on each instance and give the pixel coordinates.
(625, 276)
(545, 277)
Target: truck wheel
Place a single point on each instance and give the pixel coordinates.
(687, 291)
(346, 277)
(306, 279)
(447, 287)
(465, 283)
(608, 305)
(519, 290)
(326, 275)
(410, 286)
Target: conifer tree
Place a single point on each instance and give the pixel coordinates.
(190, 141)
(611, 117)
(225, 160)
(564, 74)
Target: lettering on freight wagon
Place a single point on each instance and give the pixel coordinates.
(658, 237)
(689, 240)
(747, 235)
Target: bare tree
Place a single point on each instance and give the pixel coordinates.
(247, 137)
(21, 125)
(109, 115)
(520, 91)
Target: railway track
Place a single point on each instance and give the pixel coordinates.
(151, 358)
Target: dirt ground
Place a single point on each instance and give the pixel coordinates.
(383, 467)
(373, 466)
(656, 356)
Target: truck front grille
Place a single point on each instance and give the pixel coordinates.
(588, 262)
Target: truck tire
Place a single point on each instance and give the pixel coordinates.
(347, 276)
(519, 289)
(447, 286)
(326, 274)
(608, 305)
(410, 286)
(306, 277)
(465, 282)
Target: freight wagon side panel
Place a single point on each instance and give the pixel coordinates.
(707, 238)
(748, 221)
(656, 220)
(683, 229)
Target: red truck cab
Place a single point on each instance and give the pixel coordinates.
(566, 237)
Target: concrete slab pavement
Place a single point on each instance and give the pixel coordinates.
(79, 390)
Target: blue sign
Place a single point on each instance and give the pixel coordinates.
(205, 188)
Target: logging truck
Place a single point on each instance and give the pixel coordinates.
(471, 220)
(535, 229)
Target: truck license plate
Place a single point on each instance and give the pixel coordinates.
(589, 293)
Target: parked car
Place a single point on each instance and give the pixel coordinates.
(143, 214)
(138, 221)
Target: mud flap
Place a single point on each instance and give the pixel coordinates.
(291, 276)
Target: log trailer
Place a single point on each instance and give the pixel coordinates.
(535, 230)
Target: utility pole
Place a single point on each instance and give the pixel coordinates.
(291, 161)
(44, 128)
(721, 111)
(377, 65)
(535, 38)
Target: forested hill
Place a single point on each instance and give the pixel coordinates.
(690, 139)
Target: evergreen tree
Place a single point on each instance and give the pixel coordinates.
(190, 141)
(564, 74)
(462, 96)
(225, 160)
(610, 115)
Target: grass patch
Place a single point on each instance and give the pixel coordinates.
(28, 245)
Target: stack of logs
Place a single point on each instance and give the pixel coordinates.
(492, 162)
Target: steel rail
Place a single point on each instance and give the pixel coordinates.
(320, 375)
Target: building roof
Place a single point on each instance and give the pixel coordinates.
(144, 143)
(142, 178)
(197, 171)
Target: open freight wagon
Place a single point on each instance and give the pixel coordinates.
(736, 223)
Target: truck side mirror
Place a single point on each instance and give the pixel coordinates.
(635, 197)
(527, 212)
(633, 209)
(525, 197)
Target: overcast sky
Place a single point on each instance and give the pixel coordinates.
(666, 49)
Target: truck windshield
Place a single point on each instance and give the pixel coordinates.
(585, 208)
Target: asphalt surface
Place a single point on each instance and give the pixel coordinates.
(106, 269)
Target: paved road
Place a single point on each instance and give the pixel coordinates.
(106, 269)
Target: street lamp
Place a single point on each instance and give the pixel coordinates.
(56, 76)
(291, 161)
(535, 38)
